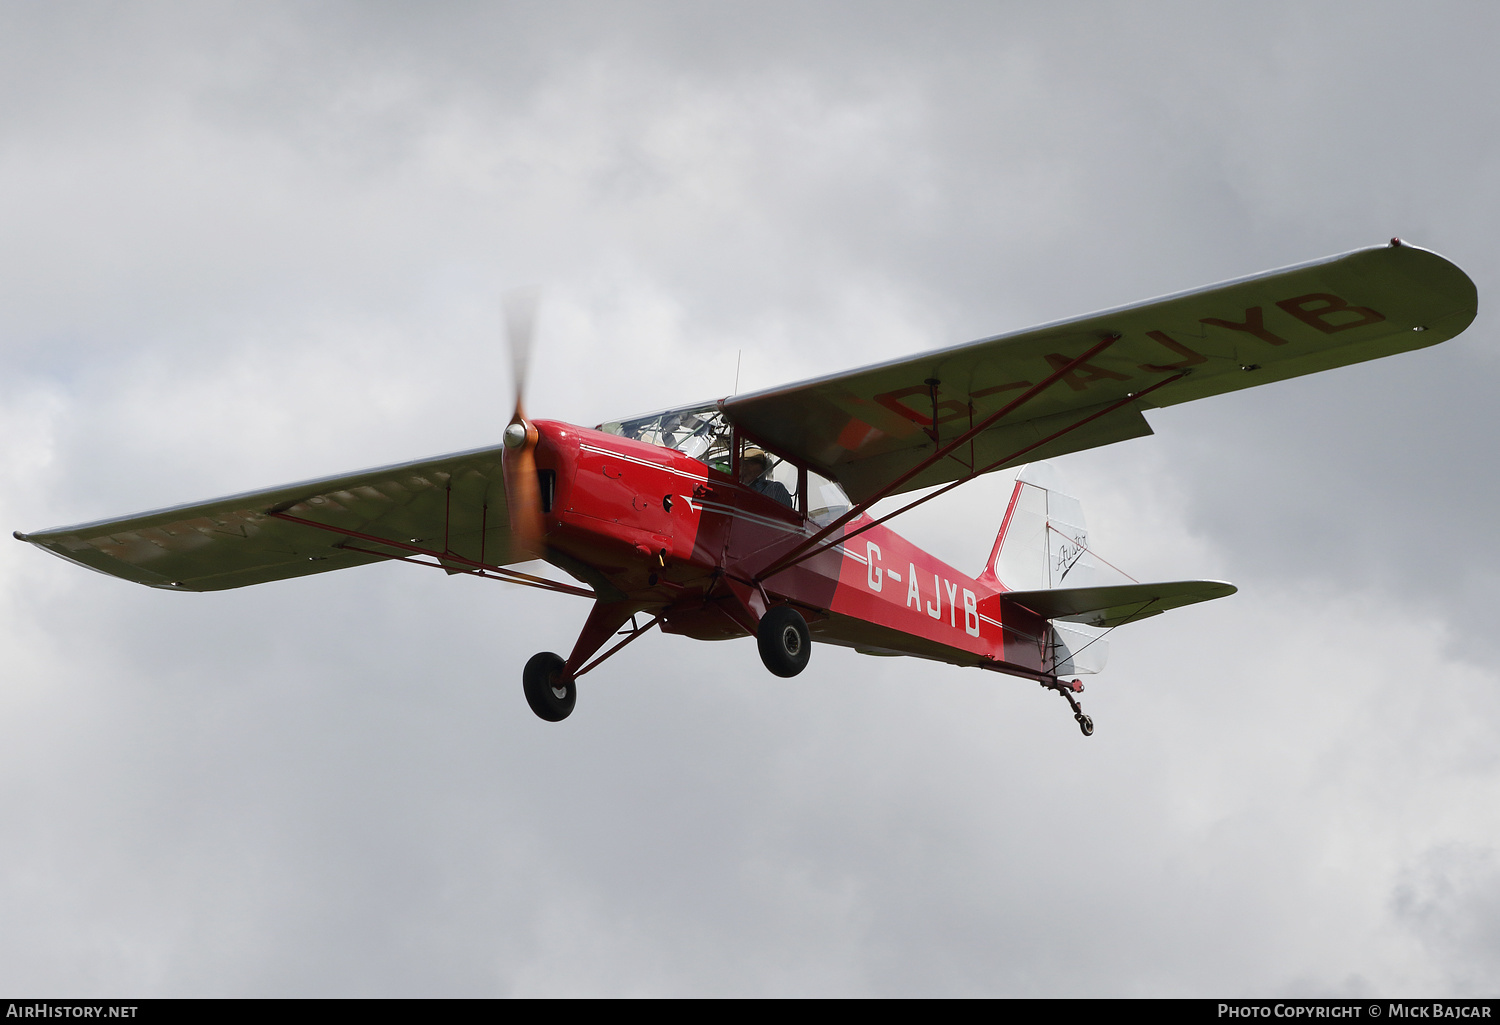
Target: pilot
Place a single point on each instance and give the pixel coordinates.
(753, 466)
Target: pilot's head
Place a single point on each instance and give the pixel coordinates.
(753, 465)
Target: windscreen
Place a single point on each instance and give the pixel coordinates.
(698, 431)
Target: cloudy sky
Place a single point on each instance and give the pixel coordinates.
(249, 244)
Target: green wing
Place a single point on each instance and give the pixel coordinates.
(453, 504)
(867, 427)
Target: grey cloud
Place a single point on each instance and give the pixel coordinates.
(1449, 897)
(250, 245)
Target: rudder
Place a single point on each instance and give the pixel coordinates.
(1043, 544)
(1043, 541)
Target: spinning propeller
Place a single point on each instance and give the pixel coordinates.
(523, 492)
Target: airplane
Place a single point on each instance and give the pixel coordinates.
(752, 515)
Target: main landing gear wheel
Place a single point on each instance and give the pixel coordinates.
(785, 645)
(1085, 724)
(550, 694)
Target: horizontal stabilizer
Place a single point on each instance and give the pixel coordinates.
(1116, 604)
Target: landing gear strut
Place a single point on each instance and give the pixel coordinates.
(1067, 688)
(550, 691)
(552, 684)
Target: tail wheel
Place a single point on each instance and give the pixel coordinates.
(785, 645)
(1067, 688)
(549, 692)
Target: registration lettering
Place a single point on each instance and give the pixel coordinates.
(1254, 323)
(1323, 311)
(1189, 357)
(1326, 312)
(875, 575)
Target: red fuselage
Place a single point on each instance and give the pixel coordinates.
(656, 529)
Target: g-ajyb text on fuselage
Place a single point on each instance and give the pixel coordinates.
(751, 516)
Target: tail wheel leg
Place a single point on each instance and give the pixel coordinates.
(550, 691)
(1067, 688)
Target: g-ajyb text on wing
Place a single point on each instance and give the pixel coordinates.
(1081, 383)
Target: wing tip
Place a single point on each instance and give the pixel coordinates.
(19, 536)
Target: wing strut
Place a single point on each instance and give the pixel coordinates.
(475, 568)
(806, 549)
(796, 554)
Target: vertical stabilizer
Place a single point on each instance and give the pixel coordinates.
(1043, 544)
(1043, 541)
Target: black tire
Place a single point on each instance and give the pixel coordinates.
(785, 645)
(1086, 725)
(550, 694)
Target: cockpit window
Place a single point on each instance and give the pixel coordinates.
(699, 431)
(826, 501)
(703, 433)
